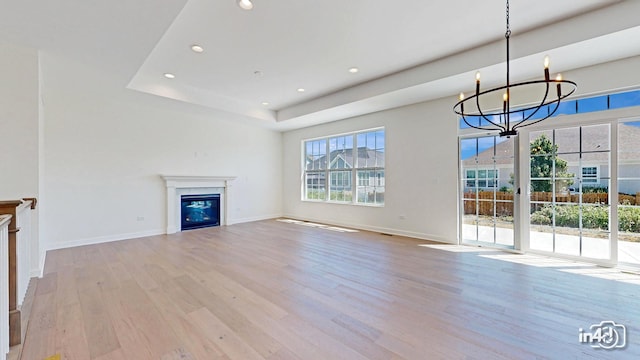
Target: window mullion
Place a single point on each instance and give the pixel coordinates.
(354, 169)
(327, 177)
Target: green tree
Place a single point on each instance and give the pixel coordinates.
(543, 156)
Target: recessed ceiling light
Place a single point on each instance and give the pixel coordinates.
(264, 103)
(169, 76)
(245, 4)
(300, 90)
(354, 70)
(197, 48)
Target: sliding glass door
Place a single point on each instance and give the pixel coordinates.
(629, 193)
(569, 191)
(580, 192)
(486, 183)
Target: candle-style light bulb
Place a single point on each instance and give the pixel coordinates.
(559, 77)
(478, 76)
(461, 97)
(505, 97)
(558, 89)
(546, 68)
(477, 83)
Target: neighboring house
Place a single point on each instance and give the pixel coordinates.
(370, 165)
(493, 167)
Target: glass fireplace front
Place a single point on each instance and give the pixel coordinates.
(200, 211)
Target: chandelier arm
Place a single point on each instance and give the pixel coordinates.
(461, 113)
(544, 99)
(557, 102)
(484, 116)
(464, 117)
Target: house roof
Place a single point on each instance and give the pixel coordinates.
(372, 158)
(593, 139)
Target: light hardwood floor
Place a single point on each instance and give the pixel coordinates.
(278, 290)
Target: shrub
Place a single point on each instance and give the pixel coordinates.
(595, 189)
(567, 215)
(593, 217)
(629, 219)
(540, 219)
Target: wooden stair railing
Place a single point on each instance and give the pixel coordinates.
(10, 207)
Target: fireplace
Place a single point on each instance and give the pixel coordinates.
(198, 211)
(183, 185)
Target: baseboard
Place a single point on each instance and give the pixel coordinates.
(104, 239)
(378, 229)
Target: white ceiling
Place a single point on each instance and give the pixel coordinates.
(406, 51)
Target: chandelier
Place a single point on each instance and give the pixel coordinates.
(505, 119)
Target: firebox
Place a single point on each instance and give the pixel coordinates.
(198, 211)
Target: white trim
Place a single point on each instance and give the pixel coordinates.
(613, 192)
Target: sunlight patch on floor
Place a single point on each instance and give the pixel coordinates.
(456, 248)
(533, 260)
(569, 266)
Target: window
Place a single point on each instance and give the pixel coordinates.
(590, 174)
(486, 178)
(580, 106)
(354, 165)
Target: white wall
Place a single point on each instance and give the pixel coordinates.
(105, 147)
(421, 173)
(19, 161)
(18, 122)
(606, 78)
(421, 158)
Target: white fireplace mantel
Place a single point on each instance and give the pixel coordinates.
(178, 185)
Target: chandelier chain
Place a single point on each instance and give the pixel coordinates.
(508, 32)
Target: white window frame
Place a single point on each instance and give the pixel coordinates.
(353, 181)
